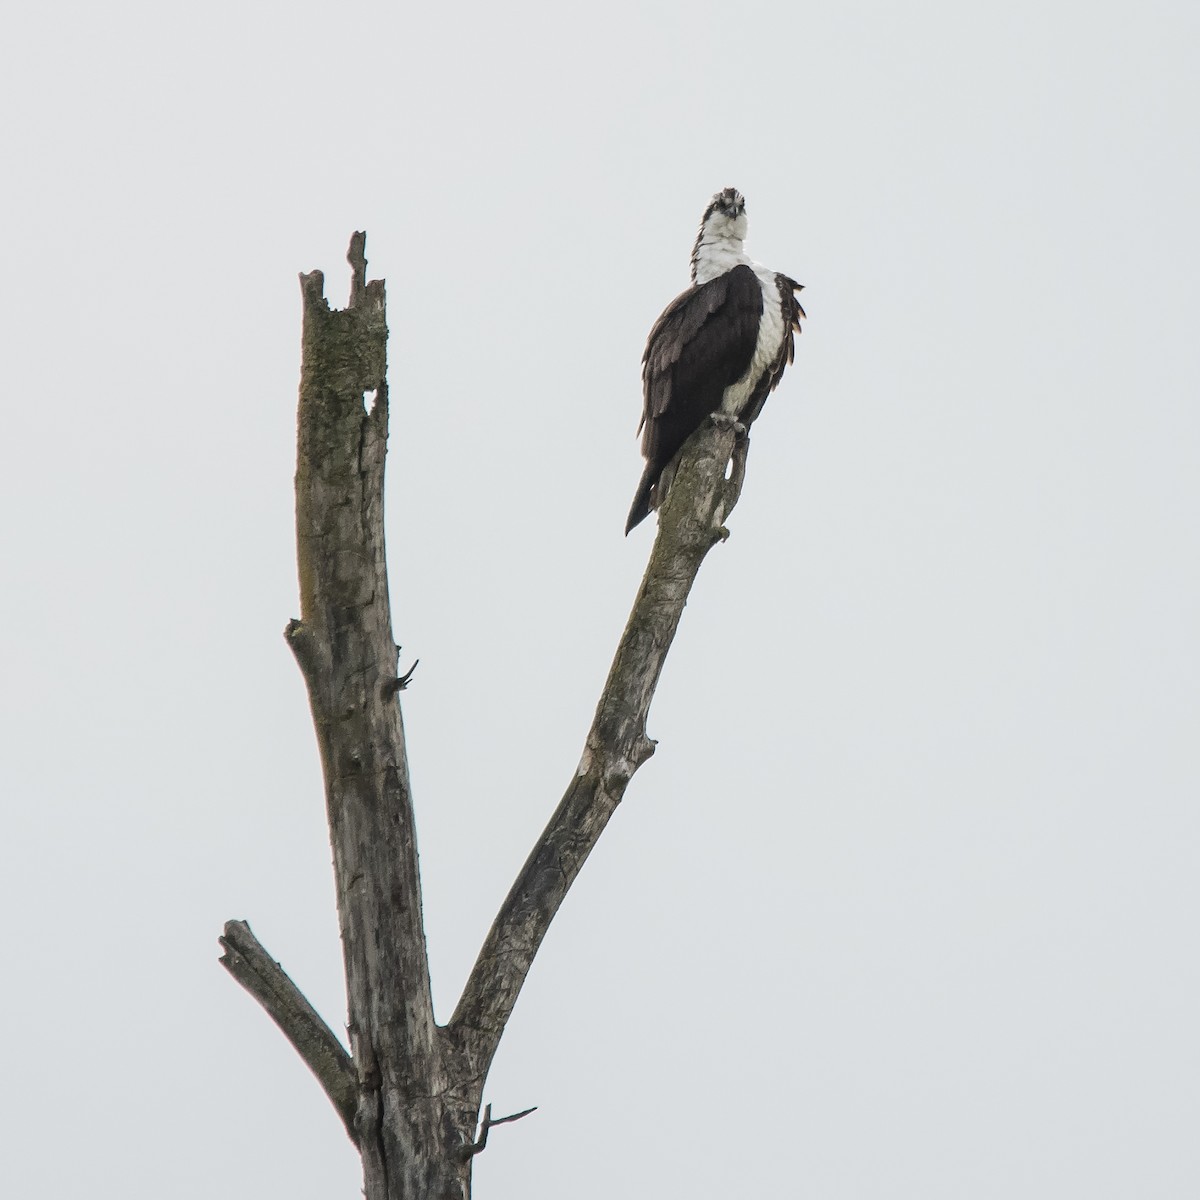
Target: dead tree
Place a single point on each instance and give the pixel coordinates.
(409, 1090)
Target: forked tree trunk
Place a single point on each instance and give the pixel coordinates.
(409, 1091)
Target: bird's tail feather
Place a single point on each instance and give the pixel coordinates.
(641, 506)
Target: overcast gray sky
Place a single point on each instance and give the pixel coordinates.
(905, 906)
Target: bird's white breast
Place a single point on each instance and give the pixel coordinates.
(771, 333)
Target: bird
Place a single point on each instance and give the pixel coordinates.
(718, 349)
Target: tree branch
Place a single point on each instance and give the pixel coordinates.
(690, 523)
(347, 653)
(410, 1095)
(248, 962)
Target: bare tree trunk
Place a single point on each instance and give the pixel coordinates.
(409, 1092)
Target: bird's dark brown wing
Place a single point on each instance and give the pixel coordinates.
(684, 374)
(701, 344)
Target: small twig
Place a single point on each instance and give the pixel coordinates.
(487, 1123)
(310, 654)
(391, 686)
(248, 962)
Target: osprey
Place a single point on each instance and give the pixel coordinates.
(717, 351)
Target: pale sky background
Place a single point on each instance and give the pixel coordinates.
(906, 904)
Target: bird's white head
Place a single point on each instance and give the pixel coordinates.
(720, 243)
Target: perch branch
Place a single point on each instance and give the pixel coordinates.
(248, 962)
(690, 523)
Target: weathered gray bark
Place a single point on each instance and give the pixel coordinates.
(410, 1091)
